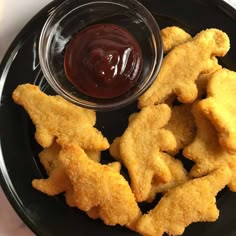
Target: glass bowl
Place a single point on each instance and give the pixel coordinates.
(71, 17)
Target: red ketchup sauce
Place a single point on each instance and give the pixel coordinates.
(103, 61)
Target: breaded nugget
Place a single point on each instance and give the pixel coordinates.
(178, 176)
(70, 195)
(182, 66)
(220, 107)
(205, 150)
(49, 156)
(190, 202)
(132, 116)
(94, 155)
(115, 146)
(57, 182)
(203, 78)
(116, 166)
(99, 188)
(140, 146)
(202, 82)
(182, 125)
(173, 36)
(56, 118)
(176, 168)
(115, 149)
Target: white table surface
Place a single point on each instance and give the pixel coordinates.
(14, 14)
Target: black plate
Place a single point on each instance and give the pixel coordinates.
(18, 153)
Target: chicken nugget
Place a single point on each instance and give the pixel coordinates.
(173, 36)
(94, 155)
(56, 118)
(204, 78)
(182, 125)
(220, 107)
(205, 150)
(57, 181)
(115, 149)
(49, 156)
(115, 146)
(140, 146)
(182, 66)
(190, 202)
(176, 168)
(132, 116)
(178, 176)
(99, 188)
(70, 194)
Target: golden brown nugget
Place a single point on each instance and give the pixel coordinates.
(115, 149)
(182, 66)
(220, 107)
(140, 146)
(56, 118)
(178, 176)
(132, 116)
(94, 155)
(115, 146)
(177, 171)
(173, 36)
(203, 78)
(205, 150)
(49, 156)
(70, 195)
(57, 181)
(202, 82)
(193, 201)
(99, 188)
(182, 125)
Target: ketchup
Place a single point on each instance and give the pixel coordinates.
(103, 61)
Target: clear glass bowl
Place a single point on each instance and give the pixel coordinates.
(72, 16)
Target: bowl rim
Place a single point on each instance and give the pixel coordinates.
(157, 61)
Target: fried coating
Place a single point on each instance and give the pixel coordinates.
(182, 125)
(173, 36)
(220, 107)
(70, 195)
(182, 66)
(56, 118)
(203, 78)
(175, 166)
(140, 146)
(132, 116)
(99, 188)
(49, 156)
(178, 176)
(202, 82)
(190, 202)
(115, 149)
(94, 155)
(57, 182)
(205, 150)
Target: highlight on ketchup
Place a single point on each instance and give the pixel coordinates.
(103, 61)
